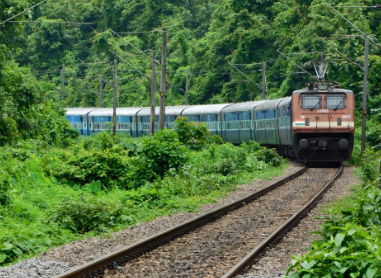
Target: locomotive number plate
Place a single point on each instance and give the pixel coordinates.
(323, 111)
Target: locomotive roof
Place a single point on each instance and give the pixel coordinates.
(169, 111)
(204, 109)
(243, 106)
(108, 112)
(331, 90)
(78, 111)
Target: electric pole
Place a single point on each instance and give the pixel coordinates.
(101, 92)
(153, 93)
(163, 80)
(115, 94)
(264, 81)
(187, 88)
(63, 82)
(365, 94)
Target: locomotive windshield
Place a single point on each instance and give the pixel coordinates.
(311, 101)
(335, 101)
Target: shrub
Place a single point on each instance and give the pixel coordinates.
(158, 154)
(269, 156)
(87, 214)
(193, 135)
(109, 166)
(4, 186)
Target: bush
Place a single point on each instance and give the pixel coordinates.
(88, 214)
(269, 156)
(194, 136)
(158, 154)
(110, 166)
(4, 186)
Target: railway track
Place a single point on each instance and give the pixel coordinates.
(110, 264)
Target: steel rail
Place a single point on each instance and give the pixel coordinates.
(115, 259)
(281, 230)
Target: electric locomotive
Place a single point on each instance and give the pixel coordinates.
(323, 123)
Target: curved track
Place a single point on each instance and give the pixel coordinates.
(114, 260)
(281, 230)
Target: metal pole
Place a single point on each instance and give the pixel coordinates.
(365, 95)
(115, 94)
(187, 88)
(264, 80)
(101, 92)
(163, 80)
(63, 82)
(153, 94)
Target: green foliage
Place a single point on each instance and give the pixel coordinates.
(158, 154)
(269, 156)
(107, 166)
(193, 135)
(349, 251)
(87, 214)
(350, 236)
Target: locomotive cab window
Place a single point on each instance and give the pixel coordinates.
(310, 101)
(335, 101)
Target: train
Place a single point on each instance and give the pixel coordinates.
(314, 124)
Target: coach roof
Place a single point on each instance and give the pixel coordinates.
(169, 111)
(243, 106)
(108, 112)
(78, 111)
(204, 109)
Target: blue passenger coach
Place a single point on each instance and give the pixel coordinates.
(211, 115)
(79, 118)
(171, 114)
(238, 123)
(99, 120)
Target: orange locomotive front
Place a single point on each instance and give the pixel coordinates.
(323, 123)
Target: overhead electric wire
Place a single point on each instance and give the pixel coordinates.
(140, 32)
(93, 71)
(245, 75)
(354, 26)
(140, 51)
(145, 75)
(9, 19)
(360, 7)
(54, 22)
(295, 64)
(342, 54)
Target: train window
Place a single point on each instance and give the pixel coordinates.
(311, 101)
(335, 101)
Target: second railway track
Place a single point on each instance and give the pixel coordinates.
(213, 248)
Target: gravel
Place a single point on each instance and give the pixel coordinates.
(275, 261)
(60, 259)
(35, 267)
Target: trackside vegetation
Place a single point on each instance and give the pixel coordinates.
(349, 244)
(100, 184)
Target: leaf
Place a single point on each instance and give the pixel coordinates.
(3, 257)
(308, 265)
(339, 239)
(371, 272)
(95, 187)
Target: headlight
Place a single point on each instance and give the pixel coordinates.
(304, 143)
